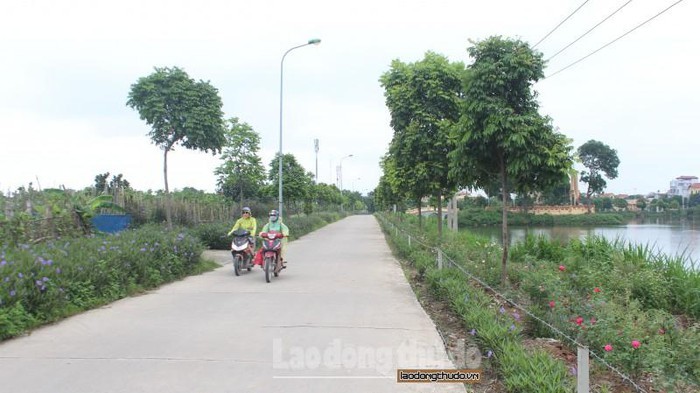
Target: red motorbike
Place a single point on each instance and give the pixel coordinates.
(271, 248)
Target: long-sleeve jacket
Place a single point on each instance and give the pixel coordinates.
(247, 223)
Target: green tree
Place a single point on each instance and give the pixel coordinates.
(599, 159)
(501, 135)
(180, 111)
(620, 203)
(326, 195)
(641, 203)
(296, 182)
(559, 194)
(423, 100)
(603, 204)
(242, 172)
(387, 193)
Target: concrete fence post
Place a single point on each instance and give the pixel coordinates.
(582, 370)
(439, 259)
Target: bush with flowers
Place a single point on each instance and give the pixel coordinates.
(496, 328)
(636, 309)
(44, 282)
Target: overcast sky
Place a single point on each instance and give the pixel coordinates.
(67, 66)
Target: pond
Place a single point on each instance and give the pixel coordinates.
(671, 237)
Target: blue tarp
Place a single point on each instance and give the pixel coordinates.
(111, 223)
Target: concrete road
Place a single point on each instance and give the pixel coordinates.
(341, 318)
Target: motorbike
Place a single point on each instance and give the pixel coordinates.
(271, 248)
(242, 251)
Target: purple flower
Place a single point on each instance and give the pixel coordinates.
(502, 310)
(12, 293)
(58, 270)
(38, 283)
(20, 275)
(3, 262)
(473, 332)
(573, 371)
(511, 328)
(516, 316)
(489, 354)
(143, 249)
(45, 279)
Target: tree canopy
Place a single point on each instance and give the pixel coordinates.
(241, 173)
(501, 134)
(599, 159)
(296, 181)
(423, 100)
(180, 111)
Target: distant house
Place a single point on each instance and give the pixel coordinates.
(695, 188)
(681, 186)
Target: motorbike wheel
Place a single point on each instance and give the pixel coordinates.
(278, 267)
(237, 260)
(268, 268)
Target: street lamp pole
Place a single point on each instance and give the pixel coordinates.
(341, 171)
(316, 151)
(313, 41)
(340, 167)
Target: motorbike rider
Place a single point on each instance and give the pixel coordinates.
(249, 223)
(275, 224)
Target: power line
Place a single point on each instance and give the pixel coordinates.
(613, 41)
(591, 29)
(560, 23)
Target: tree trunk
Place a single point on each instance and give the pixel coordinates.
(439, 203)
(168, 216)
(420, 215)
(504, 228)
(588, 199)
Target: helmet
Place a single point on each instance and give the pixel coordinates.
(245, 210)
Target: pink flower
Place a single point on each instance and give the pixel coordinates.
(562, 268)
(579, 321)
(636, 344)
(608, 347)
(596, 290)
(593, 321)
(552, 304)
(662, 331)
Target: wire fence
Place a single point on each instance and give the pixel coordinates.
(442, 258)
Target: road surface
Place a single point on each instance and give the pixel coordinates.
(341, 318)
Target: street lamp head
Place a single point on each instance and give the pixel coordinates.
(314, 41)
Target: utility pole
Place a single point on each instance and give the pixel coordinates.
(316, 150)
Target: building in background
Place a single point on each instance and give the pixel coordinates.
(681, 186)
